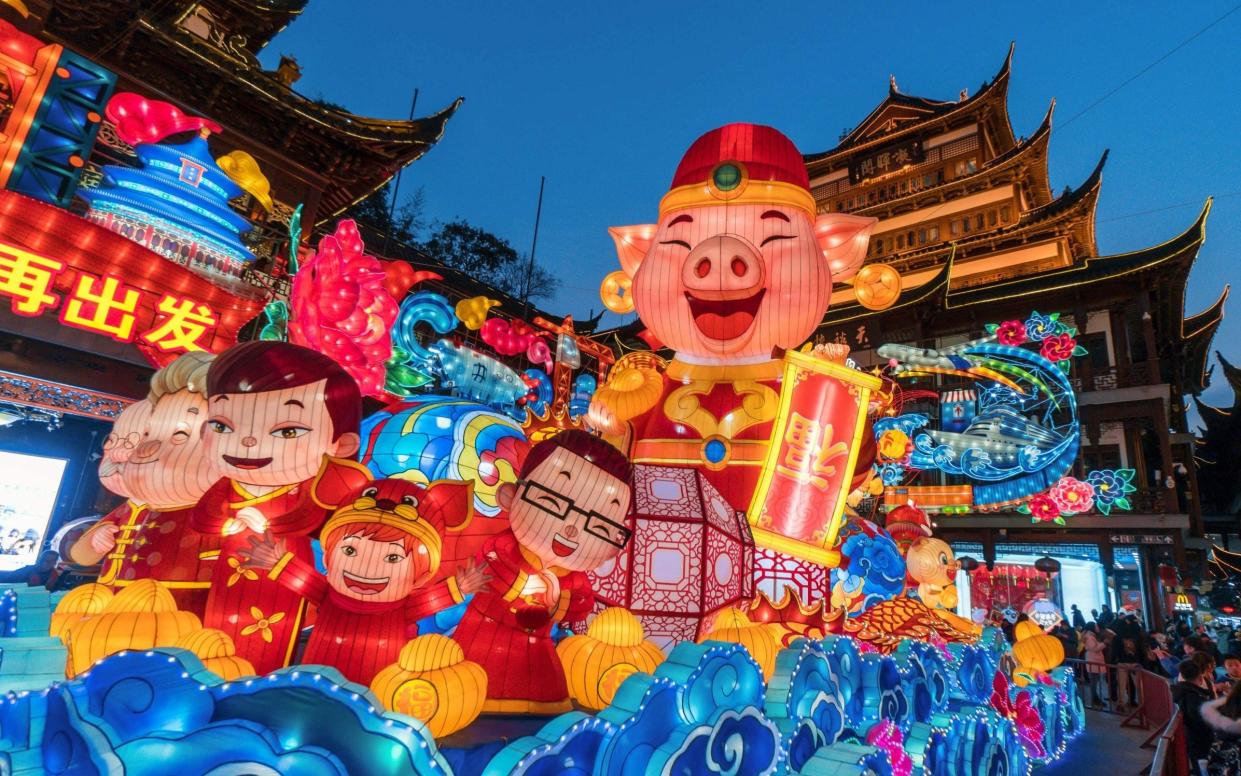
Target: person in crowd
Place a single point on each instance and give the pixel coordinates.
(1079, 621)
(1105, 617)
(1190, 696)
(1223, 715)
(1067, 638)
(1158, 654)
(1128, 652)
(1207, 664)
(42, 573)
(1095, 650)
(1232, 670)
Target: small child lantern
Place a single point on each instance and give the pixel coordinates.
(380, 549)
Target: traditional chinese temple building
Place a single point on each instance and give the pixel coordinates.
(150, 169)
(968, 217)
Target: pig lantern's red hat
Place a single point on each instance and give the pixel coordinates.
(741, 164)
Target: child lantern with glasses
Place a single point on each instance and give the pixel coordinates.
(568, 514)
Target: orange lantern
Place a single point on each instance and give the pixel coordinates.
(78, 604)
(217, 653)
(142, 616)
(733, 626)
(597, 663)
(434, 682)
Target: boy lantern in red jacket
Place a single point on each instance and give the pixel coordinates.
(568, 514)
(279, 419)
(380, 549)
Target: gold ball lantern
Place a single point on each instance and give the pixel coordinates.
(433, 682)
(598, 662)
(733, 626)
(217, 652)
(78, 604)
(142, 616)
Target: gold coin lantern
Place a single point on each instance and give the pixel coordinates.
(142, 616)
(877, 286)
(78, 604)
(217, 653)
(433, 682)
(598, 662)
(733, 626)
(615, 292)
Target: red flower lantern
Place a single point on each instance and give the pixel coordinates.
(1011, 333)
(691, 556)
(1058, 347)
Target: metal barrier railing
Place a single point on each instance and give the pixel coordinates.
(1171, 757)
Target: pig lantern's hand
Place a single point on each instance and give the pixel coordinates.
(103, 538)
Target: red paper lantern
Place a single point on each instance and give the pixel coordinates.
(691, 556)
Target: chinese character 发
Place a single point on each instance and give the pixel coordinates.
(810, 449)
(27, 278)
(902, 157)
(108, 310)
(183, 328)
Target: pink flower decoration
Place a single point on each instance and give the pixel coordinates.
(1058, 347)
(1072, 496)
(139, 120)
(1043, 508)
(887, 737)
(341, 308)
(1011, 333)
(1021, 711)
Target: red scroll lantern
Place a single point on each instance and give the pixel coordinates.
(691, 556)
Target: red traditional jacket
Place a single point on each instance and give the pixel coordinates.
(510, 635)
(358, 638)
(160, 545)
(717, 419)
(263, 617)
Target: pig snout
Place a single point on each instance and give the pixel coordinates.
(146, 451)
(723, 267)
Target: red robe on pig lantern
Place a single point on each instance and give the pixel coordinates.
(738, 269)
(279, 415)
(381, 550)
(568, 514)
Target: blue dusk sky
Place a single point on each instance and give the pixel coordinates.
(603, 98)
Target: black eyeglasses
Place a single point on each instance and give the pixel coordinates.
(560, 506)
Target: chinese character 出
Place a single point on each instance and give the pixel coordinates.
(809, 452)
(110, 310)
(27, 278)
(183, 328)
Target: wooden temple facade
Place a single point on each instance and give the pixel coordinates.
(968, 217)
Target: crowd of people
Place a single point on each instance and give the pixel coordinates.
(1205, 682)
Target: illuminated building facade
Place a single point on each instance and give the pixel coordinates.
(969, 219)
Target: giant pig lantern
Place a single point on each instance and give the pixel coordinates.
(737, 272)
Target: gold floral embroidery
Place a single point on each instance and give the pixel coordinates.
(262, 625)
(240, 573)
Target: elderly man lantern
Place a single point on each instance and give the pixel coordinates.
(280, 419)
(156, 457)
(738, 270)
(568, 514)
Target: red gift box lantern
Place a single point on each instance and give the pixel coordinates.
(691, 555)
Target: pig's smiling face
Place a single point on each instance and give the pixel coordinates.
(732, 282)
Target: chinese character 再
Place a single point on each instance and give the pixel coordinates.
(108, 310)
(810, 451)
(883, 161)
(183, 328)
(27, 278)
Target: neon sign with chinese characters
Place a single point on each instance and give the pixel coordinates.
(104, 305)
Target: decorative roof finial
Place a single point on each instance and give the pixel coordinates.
(892, 84)
(963, 95)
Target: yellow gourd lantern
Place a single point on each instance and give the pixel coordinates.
(732, 625)
(142, 616)
(78, 604)
(1035, 652)
(217, 653)
(598, 662)
(433, 681)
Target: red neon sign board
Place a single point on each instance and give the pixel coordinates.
(98, 281)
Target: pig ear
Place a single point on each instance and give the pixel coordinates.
(632, 243)
(451, 500)
(843, 239)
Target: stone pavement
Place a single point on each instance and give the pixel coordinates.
(1105, 748)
